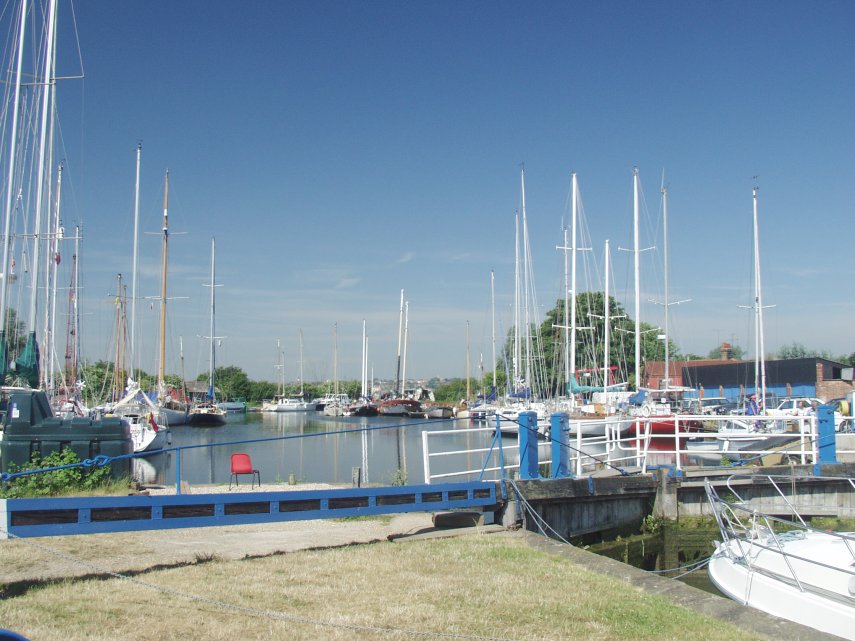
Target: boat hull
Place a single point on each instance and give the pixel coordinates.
(760, 577)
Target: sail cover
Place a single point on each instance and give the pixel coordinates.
(28, 361)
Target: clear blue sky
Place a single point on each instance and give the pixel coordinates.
(342, 151)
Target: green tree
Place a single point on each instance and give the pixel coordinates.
(232, 382)
(797, 350)
(452, 391)
(590, 341)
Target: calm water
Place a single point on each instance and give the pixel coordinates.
(312, 447)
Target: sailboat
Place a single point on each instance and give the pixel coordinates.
(338, 404)
(171, 411)
(657, 407)
(364, 406)
(206, 413)
(296, 403)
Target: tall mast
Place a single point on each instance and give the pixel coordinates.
(493, 321)
(468, 388)
(213, 354)
(667, 300)
(50, 326)
(10, 190)
(636, 262)
(301, 363)
(72, 340)
(364, 372)
(606, 323)
(517, 298)
(335, 358)
(280, 377)
(406, 331)
(161, 372)
(526, 297)
(135, 267)
(40, 169)
(760, 363)
(118, 357)
(400, 333)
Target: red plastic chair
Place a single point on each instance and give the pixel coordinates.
(242, 464)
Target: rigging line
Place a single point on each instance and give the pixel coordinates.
(257, 612)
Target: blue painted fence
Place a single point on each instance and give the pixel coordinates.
(92, 515)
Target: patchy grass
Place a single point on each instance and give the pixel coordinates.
(475, 586)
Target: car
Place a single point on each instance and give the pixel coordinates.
(713, 405)
(806, 406)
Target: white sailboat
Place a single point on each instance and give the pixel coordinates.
(339, 402)
(206, 413)
(296, 403)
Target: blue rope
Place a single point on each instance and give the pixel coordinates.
(102, 460)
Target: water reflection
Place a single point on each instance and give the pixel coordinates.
(308, 446)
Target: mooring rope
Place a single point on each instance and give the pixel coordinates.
(541, 523)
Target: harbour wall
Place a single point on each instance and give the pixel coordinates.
(590, 509)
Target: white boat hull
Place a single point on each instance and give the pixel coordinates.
(754, 573)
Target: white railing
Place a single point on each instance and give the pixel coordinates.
(637, 443)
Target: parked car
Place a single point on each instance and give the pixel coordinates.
(805, 406)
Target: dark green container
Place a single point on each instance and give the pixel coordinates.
(29, 426)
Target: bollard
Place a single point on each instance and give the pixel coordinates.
(559, 432)
(528, 446)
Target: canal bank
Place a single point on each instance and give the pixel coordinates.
(718, 607)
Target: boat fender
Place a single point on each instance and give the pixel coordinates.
(152, 422)
(645, 410)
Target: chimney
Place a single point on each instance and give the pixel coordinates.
(819, 377)
(725, 351)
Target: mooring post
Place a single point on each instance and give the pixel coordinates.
(528, 446)
(826, 438)
(666, 503)
(559, 432)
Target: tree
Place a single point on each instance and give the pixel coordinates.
(797, 350)
(232, 382)
(590, 342)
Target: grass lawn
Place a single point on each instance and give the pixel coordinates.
(469, 587)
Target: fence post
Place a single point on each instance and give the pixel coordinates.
(559, 432)
(528, 446)
(826, 438)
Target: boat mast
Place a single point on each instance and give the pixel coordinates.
(213, 337)
(134, 272)
(406, 332)
(517, 344)
(280, 377)
(493, 321)
(301, 363)
(71, 340)
(636, 262)
(10, 189)
(527, 319)
(400, 332)
(364, 372)
(50, 326)
(667, 300)
(161, 372)
(606, 323)
(335, 359)
(468, 383)
(760, 362)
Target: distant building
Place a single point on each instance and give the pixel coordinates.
(819, 377)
